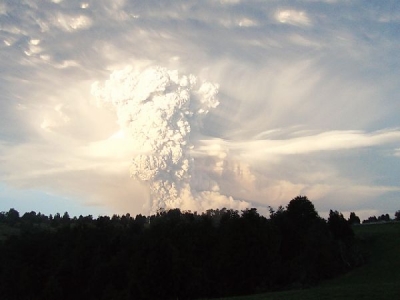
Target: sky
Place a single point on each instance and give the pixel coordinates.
(114, 107)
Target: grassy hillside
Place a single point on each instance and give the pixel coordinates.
(379, 278)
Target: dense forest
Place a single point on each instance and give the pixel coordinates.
(172, 254)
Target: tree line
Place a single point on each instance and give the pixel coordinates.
(382, 218)
(172, 254)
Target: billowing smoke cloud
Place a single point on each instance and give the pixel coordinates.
(160, 110)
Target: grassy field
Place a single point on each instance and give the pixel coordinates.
(379, 278)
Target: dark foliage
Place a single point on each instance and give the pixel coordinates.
(171, 255)
(354, 219)
(382, 218)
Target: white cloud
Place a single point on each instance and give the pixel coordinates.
(159, 109)
(245, 22)
(72, 23)
(292, 17)
(303, 41)
(327, 1)
(228, 1)
(326, 141)
(305, 143)
(272, 171)
(388, 18)
(3, 8)
(304, 105)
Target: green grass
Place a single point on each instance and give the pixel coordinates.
(379, 278)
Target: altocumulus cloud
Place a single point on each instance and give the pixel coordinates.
(137, 105)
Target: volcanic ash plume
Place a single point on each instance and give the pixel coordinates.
(158, 109)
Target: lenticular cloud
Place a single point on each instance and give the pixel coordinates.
(159, 109)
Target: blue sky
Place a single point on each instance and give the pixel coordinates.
(285, 98)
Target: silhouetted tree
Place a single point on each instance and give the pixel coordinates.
(354, 219)
(372, 219)
(308, 251)
(339, 226)
(12, 216)
(65, 217)
(172, 254)
(397, 215)
(302, 212)
(384, 218)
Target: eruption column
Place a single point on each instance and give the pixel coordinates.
(159, 108)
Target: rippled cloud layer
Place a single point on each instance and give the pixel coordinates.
(132, 106)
